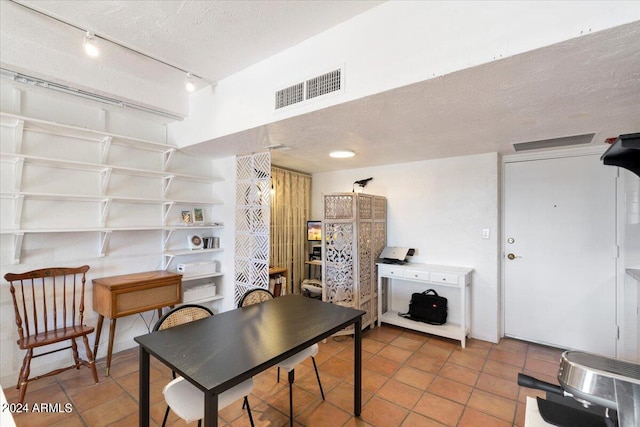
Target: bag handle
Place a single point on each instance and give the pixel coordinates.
(432, 291)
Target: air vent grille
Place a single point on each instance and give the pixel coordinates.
(554, 142)
(312, 88)
(291, 95)
(321, 85)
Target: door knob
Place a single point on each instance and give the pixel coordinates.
(513, 256)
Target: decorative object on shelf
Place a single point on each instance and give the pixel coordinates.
(195, 241)
(198, 215)
(186, 216)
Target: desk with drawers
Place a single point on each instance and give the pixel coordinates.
(394, 298)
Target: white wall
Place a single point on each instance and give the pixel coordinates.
(126, 251)
(389, 46)
(439, 207)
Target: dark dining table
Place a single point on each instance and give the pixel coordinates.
(221, 351)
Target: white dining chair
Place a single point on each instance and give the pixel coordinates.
(183, 398)
(258, 295)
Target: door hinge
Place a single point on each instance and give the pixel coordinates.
(617, 332)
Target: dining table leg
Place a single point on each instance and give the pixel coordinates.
(357, 367)
(210, 410)
(144, 388)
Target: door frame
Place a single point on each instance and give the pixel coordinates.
(619, 226)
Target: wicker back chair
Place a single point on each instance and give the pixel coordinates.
(258, 295)
(49, 308)
(183, 397)
(255, 296)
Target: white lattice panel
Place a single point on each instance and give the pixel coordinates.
(253, 175)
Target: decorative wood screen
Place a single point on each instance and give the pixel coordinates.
(253, 190)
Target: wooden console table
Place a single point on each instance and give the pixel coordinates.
(119, 296)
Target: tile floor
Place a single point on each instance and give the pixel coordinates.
(409, 379)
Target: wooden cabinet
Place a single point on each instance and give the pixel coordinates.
(354, 229)
(396, 283)
(119, 296)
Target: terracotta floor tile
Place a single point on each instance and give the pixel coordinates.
(496, 385)
(414, 377)
(440, 409)
(451, 390)
(541, 366)
(400, 393)
(337, 367)
(394, 353)
(493, 405)
(509, 344)
(371, 381)
(342, 397)
(382, 365)
(109, 412)
(459, 373)
(323, 414)
(467, 359)
(372, 346)
(417, 420)
(425, 363)
(498, 369)
(474, 418)
(381, 413)
(408, 342)
(409, 379)
(508, 357)
(434, 351)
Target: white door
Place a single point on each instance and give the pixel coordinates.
(560, 253)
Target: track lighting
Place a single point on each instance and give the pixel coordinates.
(90, 45)
(190, 84)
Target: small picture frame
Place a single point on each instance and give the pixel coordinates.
(186, 216)
(198, 215)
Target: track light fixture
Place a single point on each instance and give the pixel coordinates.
(90, 45)
(91, 48)
(190, 84)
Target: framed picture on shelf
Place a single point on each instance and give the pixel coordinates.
(186, 216)
(198, 215)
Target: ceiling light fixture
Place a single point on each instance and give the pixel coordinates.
(90, 45)
(342, 154)
(190, 84)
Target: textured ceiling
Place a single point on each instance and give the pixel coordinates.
(212, 39)
(590, 84)
(586, 85)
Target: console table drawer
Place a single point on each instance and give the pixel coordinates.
(388, 270)
(147, 299)
(416, 274)
(445, 278)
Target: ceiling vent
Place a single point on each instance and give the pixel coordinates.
(312, 88)
(554, 142)
(291, 95)
(326, 83)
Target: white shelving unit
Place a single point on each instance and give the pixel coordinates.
(82, 168)
(391, 299)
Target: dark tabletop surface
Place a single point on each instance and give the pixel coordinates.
(228, 348)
